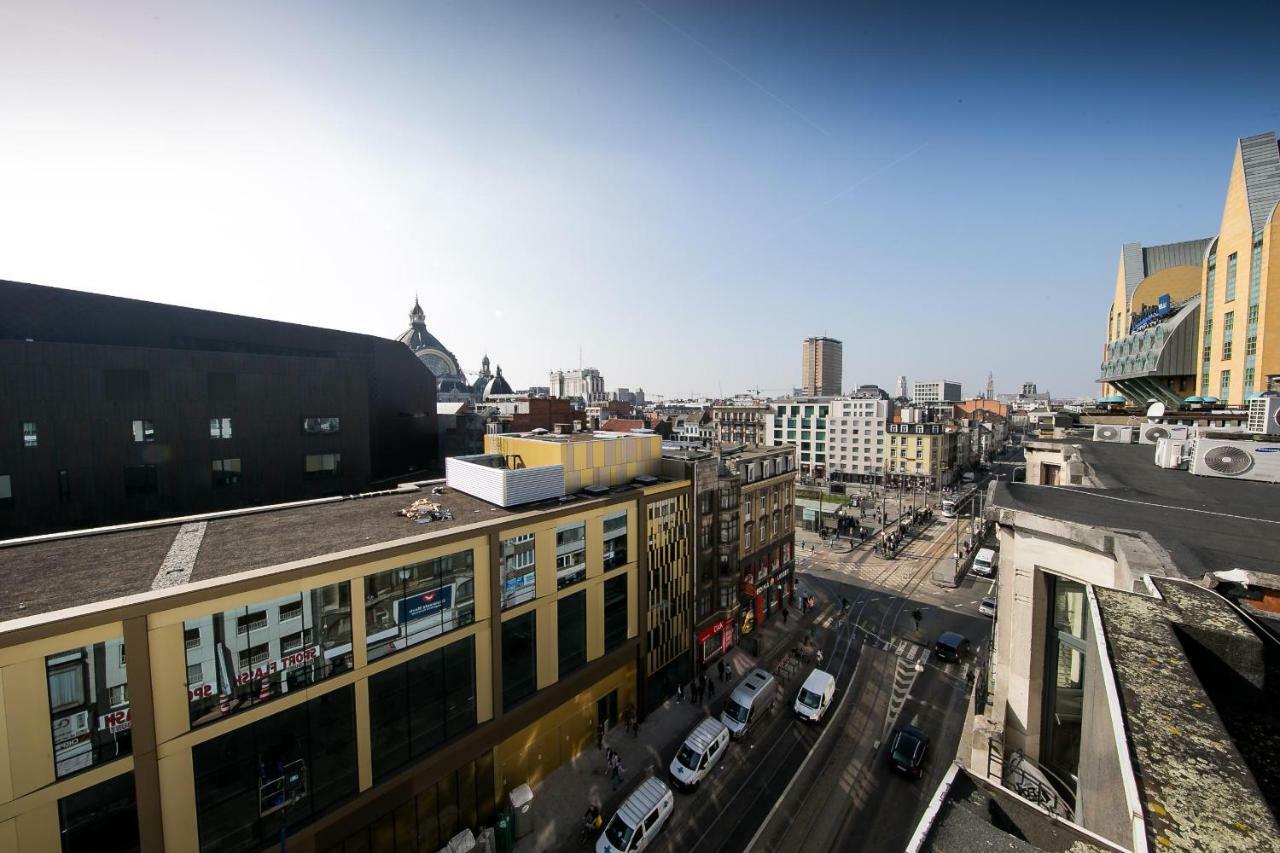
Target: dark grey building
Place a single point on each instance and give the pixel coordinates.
(120, 410)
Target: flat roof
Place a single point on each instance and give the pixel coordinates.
(82, 567)
(1205, 523)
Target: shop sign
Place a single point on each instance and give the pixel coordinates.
(280, 664)
(70, 727)
(118, 720)
(424, 604)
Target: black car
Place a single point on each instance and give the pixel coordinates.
(951, 647)
(907, 750)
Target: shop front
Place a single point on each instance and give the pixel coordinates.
(749, 604)
(715, 640)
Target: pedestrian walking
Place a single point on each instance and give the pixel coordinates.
(785, 614)
(721, 667)
(617, 775)
(680, 692)
(711, 687)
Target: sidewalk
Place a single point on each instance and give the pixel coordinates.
(561, 799)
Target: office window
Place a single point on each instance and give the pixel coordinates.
(571, 554)
(219, 427)
(64, 487)
(226, 472)
(1224, 385)
(1231, 278)
(1248, 379)
(420, 704)
(519, 659)
(1226, 349)
(250, 657)
(86, 727)
(615, 540)
(100, 819)
(321, 426)
(6, 488)
(140, 479)
(321, 465)
(1251, 345)
(29, 437)
(411, 604)
(316, 740)
(571, 628)
(519, 559)
(615, 612)
(143, 431)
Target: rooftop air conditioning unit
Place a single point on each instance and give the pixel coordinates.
(1113, 434)
(1171, 452)
(1240, 460)
(1264, 415)
(1151, 433)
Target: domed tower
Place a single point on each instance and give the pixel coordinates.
(442, 363)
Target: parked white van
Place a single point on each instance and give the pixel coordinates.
(639, 819)
(749, 702)
(699, 753)
(984, 563)
(815, 696)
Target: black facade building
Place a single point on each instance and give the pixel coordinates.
(116, 410)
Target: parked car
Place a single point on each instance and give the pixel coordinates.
(907, 750)
(985, 562)
(988, 606)
(700, 751)
(640, 817)
(815, 696)
(750, 700)
(951, 647)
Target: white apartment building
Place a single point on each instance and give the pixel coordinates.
(943, 390)
(856, 437)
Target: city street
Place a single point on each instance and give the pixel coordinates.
(794, 786)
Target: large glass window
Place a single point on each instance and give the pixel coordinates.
(519, 659)
(226, 472)
(321, 426)
(318, 466)
(219, 427)
(414, 603)
(239, 658)
(237, 774)
(101, 819)
(88, 705)
(571, 554)
(571, 627)
(30, 438)
(519, 564)
(1231, 277)
(1065, 649)
(144, 431)
(615, 612)
(615, 540)
(420, 704)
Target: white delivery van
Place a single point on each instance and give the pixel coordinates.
(639, 819)
(749, 701)
(984, 563)
(699, 753)
(815, 696)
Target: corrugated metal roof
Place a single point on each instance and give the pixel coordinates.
(701, 738)
(1189, 253)
(643, 801)
(1261, 160)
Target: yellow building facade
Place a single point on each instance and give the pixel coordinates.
(1239, 317)
(388, 692)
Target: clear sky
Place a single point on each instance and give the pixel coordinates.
(682, 190)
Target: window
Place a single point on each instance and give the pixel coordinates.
(6, 488)
(615, 540)
(1224, 385)
(226, 472)
(88, 706)
(143, 431)
(420, 704)
(317, 737)
(571, 630)
(571, 554)
(273, 659)
(1251, 345)
(140, 479)
(100, 819)
(64, 487)
(322, 465)
(219, 427)
(519, 560)
(411, 604)
(321, 426)
(1066, 647)
(1226, 349)
(519, 659)
(1230, 293)
(1253, 315)
(615, 612)
(29, 437)
(1248, 379)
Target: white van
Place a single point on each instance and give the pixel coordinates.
(984, 563)
(639, 819)
(749, 702)
(699, 753)
(815, 696)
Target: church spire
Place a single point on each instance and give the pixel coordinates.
(417, 316)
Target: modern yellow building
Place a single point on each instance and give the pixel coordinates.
(1239, 318)
(371, 672)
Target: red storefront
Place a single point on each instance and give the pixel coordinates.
(715, 640)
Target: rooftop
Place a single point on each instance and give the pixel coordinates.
(1205, 523)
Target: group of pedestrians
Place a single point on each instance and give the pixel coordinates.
(701, 688)
(614, 762)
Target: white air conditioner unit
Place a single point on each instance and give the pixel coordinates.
(1264, 416)
(1171, 452)
(1114, 434)
(1241, 460)
(1151, 433)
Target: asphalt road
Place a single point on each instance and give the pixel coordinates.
(794, 786)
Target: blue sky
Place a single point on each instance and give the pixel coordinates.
(683, 191)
